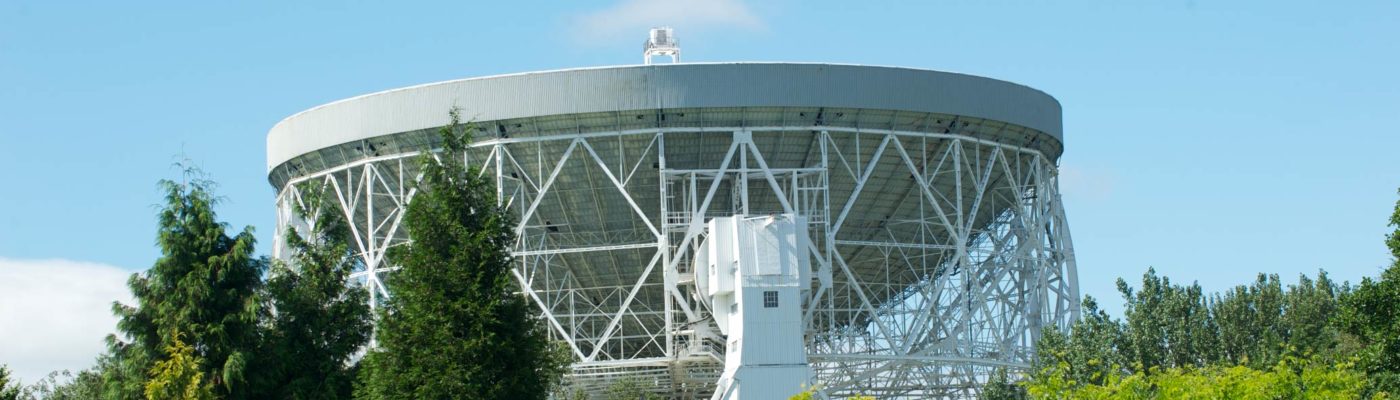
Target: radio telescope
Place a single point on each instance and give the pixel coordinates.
(908, 222)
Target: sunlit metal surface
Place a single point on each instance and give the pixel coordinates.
(938, 241)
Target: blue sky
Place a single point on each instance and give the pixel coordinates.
(1212, 140)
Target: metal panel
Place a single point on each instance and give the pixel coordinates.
(661, 86)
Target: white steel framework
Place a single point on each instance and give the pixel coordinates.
(939, 253)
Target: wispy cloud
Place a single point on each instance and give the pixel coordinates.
(631, 18)
(54, 314)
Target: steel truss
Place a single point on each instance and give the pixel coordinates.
(939, 257)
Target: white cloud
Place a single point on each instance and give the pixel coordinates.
(54, 314)
(631, 18)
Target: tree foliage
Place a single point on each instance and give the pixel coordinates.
(291, 338)
(179, 375)
(9, 388)
(1176, 329)
(205, 326)
(811, 394)
(64, 385)
(1260, 323)
(1371, 313)
(629, 389)
(1095, 349)
(316, 319)
(1167, 325)
(1000, 387)
(454, 328)
(203, 286)
(1290, 378)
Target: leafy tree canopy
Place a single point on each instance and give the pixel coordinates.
(64, 385)
(1312, 339)
(1371, 313)
(1291, 378)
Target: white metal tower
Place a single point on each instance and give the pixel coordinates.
(755, 271)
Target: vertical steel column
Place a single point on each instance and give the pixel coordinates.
(663, 247)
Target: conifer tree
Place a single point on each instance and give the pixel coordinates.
(203, 285)
(9, 390)
(317, 320)
(454, 326)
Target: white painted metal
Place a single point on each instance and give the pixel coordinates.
(755, 266)
(661, 42)
(938, 243)
(648, 87)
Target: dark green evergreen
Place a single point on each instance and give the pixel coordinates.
(203, 285)
(317, 319)
(454, 327)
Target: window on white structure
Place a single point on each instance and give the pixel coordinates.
(770, 299)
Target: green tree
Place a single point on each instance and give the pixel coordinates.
(179, 375)
(9, 389)
(203, 285)
(454, 328)
(564, 389)
(1247, 318)
(317, 320)
(1262, 340)
(1261, 323)
(1291, 378)
(1171, 326)
(125, 378)
(629, 389)
(811, 393)
(567, 393)
(1167, 325)
(64, 385)
(1371, 313)
(1000, 387)
(807, 394)
(1309, 307)
(1093, 348)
